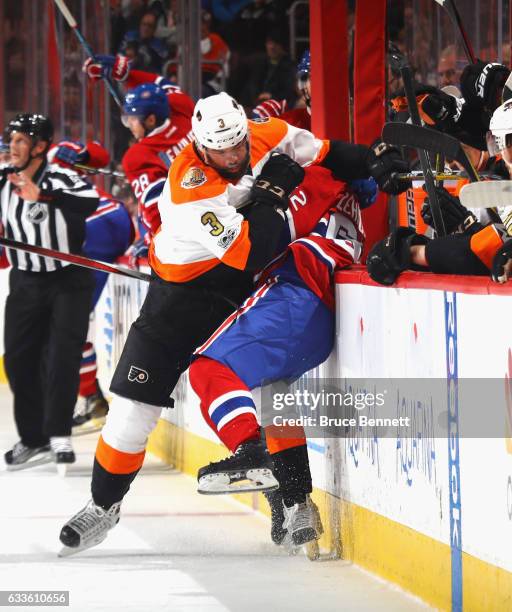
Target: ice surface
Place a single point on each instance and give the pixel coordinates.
(173, 549)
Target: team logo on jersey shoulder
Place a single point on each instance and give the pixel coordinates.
(193, 178)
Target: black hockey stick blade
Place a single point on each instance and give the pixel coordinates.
(408, 135)
(419, 137)
(78, 260)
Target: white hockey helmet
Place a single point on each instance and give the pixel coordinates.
(219, 122)
(501, 126)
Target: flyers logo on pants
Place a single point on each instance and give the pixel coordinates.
(137, 375)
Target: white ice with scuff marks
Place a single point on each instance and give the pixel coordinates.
(173, 550)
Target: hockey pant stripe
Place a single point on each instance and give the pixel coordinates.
(234, 413)
(247, 305)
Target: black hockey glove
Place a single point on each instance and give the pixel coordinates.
(391, 256)
(502, 257)
(278, 178)
(436, 107)
(457, 218)
(384, 162)
(448, 114)
(482, 84)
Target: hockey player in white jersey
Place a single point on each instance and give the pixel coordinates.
(205, 254)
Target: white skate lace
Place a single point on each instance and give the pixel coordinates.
(61, 445)
(297, 517)
(301, 516)
(18, 449)
(93, 519)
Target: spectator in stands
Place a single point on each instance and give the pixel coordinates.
(273, 75)
(215, 55)
(448, 71)
(151, 51)
(125, 16)
(256, 20)
(225, 10)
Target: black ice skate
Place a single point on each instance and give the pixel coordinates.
(303, 523)
(249, 469)
(21, 457)
(88, 528)
(90, 412)
(62, 453)
(277, 531)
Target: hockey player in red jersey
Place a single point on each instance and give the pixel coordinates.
(158, 115)
(203, 258)
(283, 330)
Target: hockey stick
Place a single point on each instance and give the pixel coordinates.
(486, 194)
(78, 260)
(405, 134)
(74, 26)
(417, 175)
(105, 171)
(453, 13)
(399, 61)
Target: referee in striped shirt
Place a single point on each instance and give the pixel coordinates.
(47, 309)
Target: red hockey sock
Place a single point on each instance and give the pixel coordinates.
(226, 402)
(88, 371)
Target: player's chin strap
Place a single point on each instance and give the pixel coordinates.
(78, 260)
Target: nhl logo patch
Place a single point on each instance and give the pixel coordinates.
(37, 213)
(193, 178)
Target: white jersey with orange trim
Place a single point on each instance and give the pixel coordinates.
(200, 224)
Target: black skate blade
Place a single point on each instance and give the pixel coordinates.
(236, 481)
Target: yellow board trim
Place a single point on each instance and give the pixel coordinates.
(3, 375)
(415, 562)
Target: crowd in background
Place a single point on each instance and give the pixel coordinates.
(245, 50)
(245, 46)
